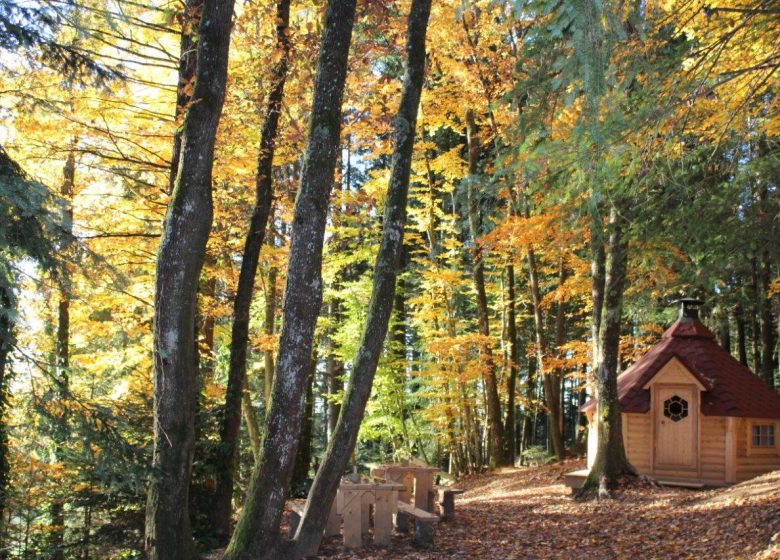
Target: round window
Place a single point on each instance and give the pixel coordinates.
(675, 408)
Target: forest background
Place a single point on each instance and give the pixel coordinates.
(534, 139)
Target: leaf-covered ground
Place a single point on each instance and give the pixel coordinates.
(528, 513)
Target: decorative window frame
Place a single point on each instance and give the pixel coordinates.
(765, 450)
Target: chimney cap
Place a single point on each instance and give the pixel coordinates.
(689, 306)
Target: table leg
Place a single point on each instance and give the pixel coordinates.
(351, 513)
(422, 486)
(383, 518)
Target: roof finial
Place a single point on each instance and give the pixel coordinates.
(689, 307)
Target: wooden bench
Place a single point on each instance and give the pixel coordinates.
(424, 523)
(446, 500)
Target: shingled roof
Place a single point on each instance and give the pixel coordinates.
(731, 389)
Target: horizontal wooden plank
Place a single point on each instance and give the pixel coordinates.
(417, 513)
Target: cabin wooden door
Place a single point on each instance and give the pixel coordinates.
(676, 427)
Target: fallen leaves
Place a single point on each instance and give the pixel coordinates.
(528, 513)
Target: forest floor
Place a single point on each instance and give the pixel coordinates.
(529, 513)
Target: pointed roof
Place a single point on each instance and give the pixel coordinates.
(731, 389)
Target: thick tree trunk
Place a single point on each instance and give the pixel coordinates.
(179, 263)
(611, 458)
(231, 420)
(496, 455)
(598, 278)
(257, 531)
(381, 306)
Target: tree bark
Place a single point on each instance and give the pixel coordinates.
(252, 425)
(303, 457)
(190, 20)
(7, 340)
(739, 317)
(57, 508)
(549, 381)
(179, 263)
(514, 365)
(257, 531)
(611, 458)
(380, 308)
(496, 455)
(335, 369)
(767, 323)
(231, 419)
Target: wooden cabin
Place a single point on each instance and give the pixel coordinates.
(693, 415)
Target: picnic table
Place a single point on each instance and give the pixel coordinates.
(353, 503)
(417, 480)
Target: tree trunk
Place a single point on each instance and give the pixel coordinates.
(187, 61)
(252, 425)
(268, 327)
(724, 330)
(257, 531)
(7, 340)
(549, 380)
(231, 420)
(767, 322)
(335, 369)
(514, 365)
(755, 314)
(598, 279)
(611, 458)
(496, 455)
(303, 458)
(381, 306)
(57, 511)
(179, 263)
(739, 317)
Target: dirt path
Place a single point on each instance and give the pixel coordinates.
(528, 513)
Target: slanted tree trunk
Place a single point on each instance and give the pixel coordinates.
(380, 308)
(611, 459)
(335, 369)
(252, 424)
(496, 455)
(257, 532)
(179, 263)
(231, 419)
